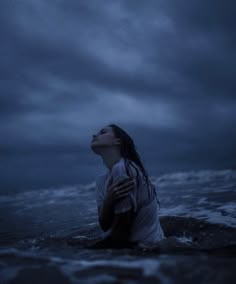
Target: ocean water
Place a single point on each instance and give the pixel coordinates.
(44, 232)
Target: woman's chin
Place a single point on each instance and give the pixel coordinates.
(95, 147)
(98, 147)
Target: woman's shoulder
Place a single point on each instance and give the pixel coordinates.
(126, 167)
(101, 178)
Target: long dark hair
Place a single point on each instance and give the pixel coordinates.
(128, 152)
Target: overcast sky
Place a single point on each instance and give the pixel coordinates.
(164, 71)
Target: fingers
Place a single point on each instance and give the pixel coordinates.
(126, 184)
(123, 190)
(123, 187)
(120, 194)
(123, 182)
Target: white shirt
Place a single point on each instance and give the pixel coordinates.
(146, 228)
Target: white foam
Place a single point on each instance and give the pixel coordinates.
(203, 200)
(178, 210)
(212, 216)
(195, 177)
(149, 267)
(229, 208)
(185, 239)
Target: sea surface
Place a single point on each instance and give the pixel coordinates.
(44, 233)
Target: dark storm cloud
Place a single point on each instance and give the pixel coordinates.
(197, 45)
(69, 67)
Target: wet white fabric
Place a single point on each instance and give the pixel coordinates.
(146, 227)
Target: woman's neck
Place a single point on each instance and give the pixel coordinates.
(111, 161)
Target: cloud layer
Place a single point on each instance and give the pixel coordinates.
(161, 70)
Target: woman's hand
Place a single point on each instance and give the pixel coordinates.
(119, 190)
(114, 192)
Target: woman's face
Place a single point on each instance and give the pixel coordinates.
(104, 138)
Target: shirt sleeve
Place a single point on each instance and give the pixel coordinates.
(129, 201)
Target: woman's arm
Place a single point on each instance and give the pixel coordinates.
(106, 215)
(114, 193)
(122, 226)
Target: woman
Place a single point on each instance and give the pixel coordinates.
(127, 204)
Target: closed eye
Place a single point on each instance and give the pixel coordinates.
(101, 132)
